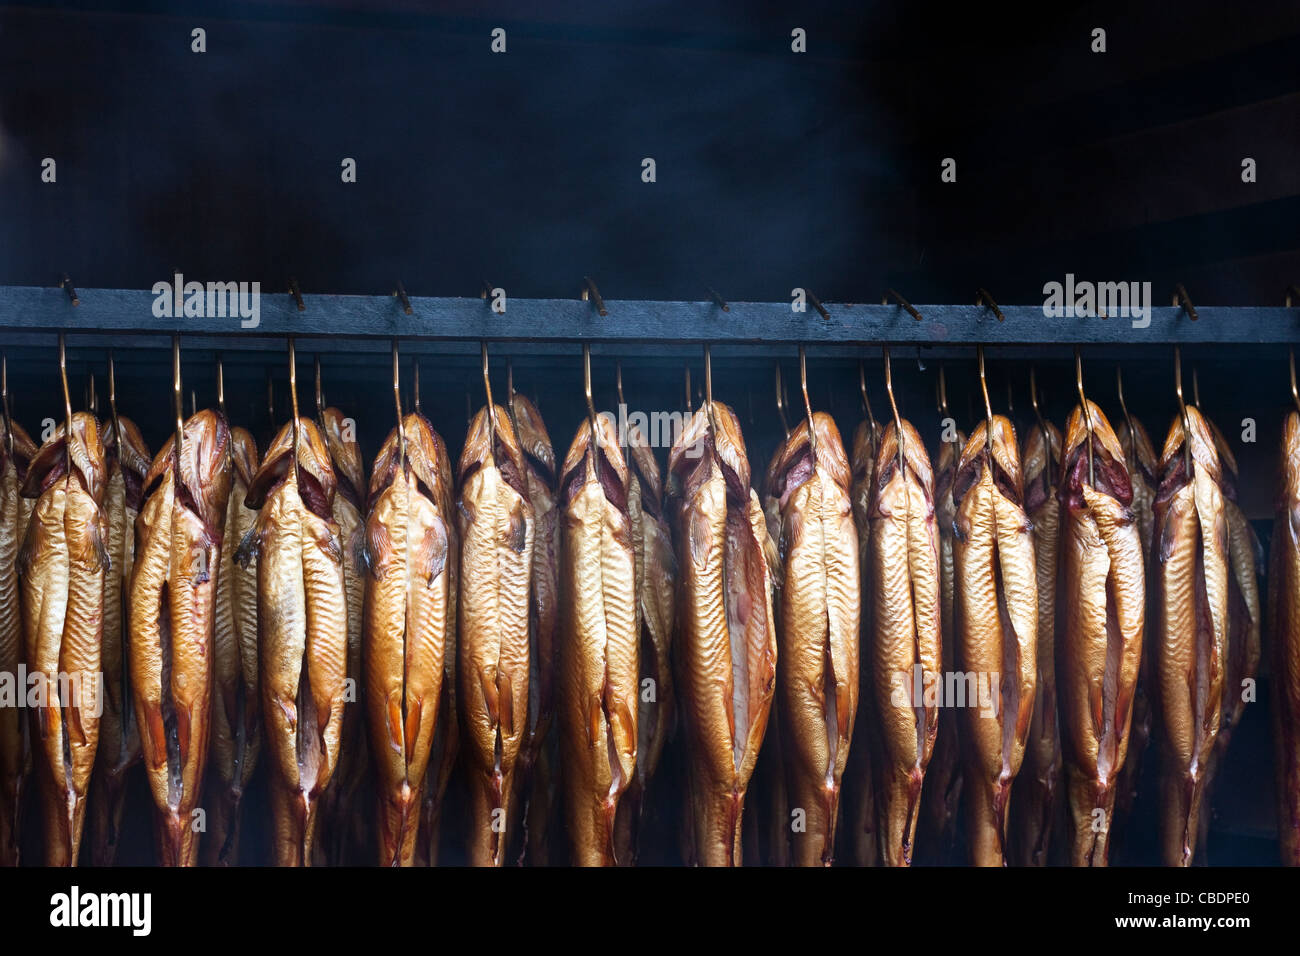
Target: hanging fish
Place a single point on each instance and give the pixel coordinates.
(1284, 619)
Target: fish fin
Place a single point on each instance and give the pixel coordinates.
(699, 535)
(431, 557)
(249, 546)
(413, 713)
(395, 720)
(489, 689)
(379, 548)
(517, 529)
(183, 724)
(507, 701)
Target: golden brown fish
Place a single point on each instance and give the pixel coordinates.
(1142, 468)
(995, 587)
(1243, 651)
(941, 799)
(1099, 650)
(906, 642)
(496, 535)
(864, 755)
(119, 737)
(1284, 620)
(302, 621)
(61, 569)
(174, 581)
(410, 543)
(1037, 788)
(819, 620)
(727, 638)
(599, 643)
(236, 732)
(339, 803)
(535, 799)
(656, 581)
(16, 453)
(1191, 632)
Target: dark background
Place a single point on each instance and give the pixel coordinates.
(775, 170)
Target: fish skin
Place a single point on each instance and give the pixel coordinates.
(1243, 647)
(941, 798)
(497, 531)
(1143, 466)
(173, 608)
(1036, 792)
(599, 642)
(905, 603)
(536, 784)
(1284, 622)
(726, 668)
(656, 585)
(1191, 634)
(995, 586)
(61, 568)
(340, 813)
(15, 742)
(818, 625)
(236, 736)
(410, 544)
(119, 736)
(1103, 605)
(302, 621)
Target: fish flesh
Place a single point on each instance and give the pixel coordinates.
(1142, 467)
(818, 625)
(1103, 617)
(495, 521)
(236, 732)
(941, 799)
(1284, 620)
(995, 602)
(61, 568)
(726, 668)
(172, 630)
(536, 783)
(906, 639)
(128, 462)
(16, 453)
(599, 641)
(1191, 632)
(410, 545)
(339, 811)
(302, 623)
(1243, 652)
(656, 583)
(864, 756)
(1037, 789)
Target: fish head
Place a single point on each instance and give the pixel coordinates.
(130, 455)
(1173, 458)
(205, 472)
(85, 453)
(866, 439)
(1110, 470)
(646, 469)
(345, 454)
(315, 475)
(602, 461)
(24, 448)
(491, 440)
(915, 458)
(1138, 450)
(243, 454)
(795, 459)
(534, 440)
(1040, 462)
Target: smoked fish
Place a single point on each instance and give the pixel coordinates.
(497, 531)
(656, 583)
(1284, 621)
(995, 600)
(302, 623)
(1103, 617)
(906, 640)
(1190, 639)
(410, 546)
(818, 626)
(128, 462)
(61, 568)
(16, 453)
(599, 641)
(1037, 789)
(726, 668)
(236, 732)
(172, 630)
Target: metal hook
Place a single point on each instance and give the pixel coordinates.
(907, 306)
(221, 384)
(1087, 413)
(983, 298)
(194, 405)
(415, 384)
(400, 293)
(1292, 292)
(943, 392)
(816, 303)
(688, 389)
(67, 404)
(780, 402)
(1042, 425)
(807, 405)
(866, 402)
(491, 406)
(293, 399)
(591, 292)
(4, 402)
(898, 422)
(320, 400)
(510, 392)
(297, 295)
(586, 390)
(1182, 299)
(708, 385)
(1295, 396)
(397, 403)
(66, 284)
(988, 409)
(177, 406)
(718, 300)
(1196, 390)
(1182, 408)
